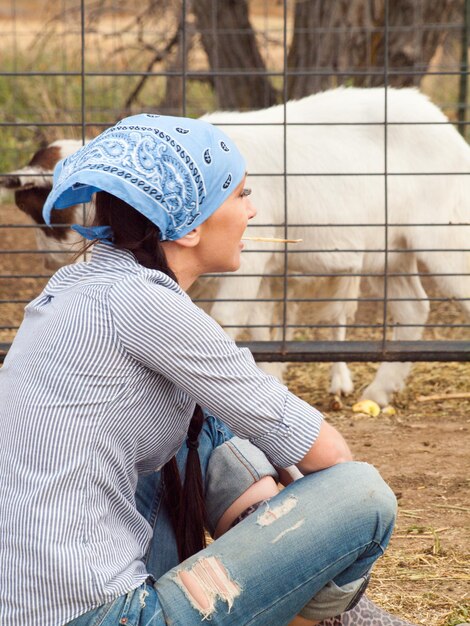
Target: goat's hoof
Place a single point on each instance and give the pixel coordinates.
(335, 403)
(380, 396)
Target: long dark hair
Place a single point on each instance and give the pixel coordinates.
(133, 231)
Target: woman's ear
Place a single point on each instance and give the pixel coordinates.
(191, 239)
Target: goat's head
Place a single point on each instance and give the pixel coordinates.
(31, 185)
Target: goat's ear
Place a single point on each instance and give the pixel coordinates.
(31, 201)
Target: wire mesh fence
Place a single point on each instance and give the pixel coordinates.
(376, 187)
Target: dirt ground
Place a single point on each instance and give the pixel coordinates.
(423, 451)
(424, 454)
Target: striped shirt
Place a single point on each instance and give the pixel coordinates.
(99, 386)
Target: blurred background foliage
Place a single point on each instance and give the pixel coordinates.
(70, 67)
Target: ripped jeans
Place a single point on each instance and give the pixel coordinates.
(308, 551)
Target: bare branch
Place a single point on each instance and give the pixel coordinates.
(160, 56)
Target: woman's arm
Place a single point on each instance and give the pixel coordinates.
(163, 330)
(329, 449)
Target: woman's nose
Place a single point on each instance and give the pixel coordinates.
(251, 209)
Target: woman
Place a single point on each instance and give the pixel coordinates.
(106, 374)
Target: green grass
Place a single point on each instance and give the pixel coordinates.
(460, 615)
(37, 100)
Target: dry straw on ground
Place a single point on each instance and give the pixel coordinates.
(423, 452)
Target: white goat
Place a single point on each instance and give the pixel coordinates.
(334, 155)
(322, 163)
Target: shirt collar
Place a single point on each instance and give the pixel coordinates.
(108, 264)
(105, 256)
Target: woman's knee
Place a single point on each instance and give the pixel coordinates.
(368, 495)
(370, 486)
(351, 496)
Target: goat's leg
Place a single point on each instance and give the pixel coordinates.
(275, 313)
(340, 377)
(391, 377)
(450, 270)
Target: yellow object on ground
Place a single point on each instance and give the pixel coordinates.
(369, 407)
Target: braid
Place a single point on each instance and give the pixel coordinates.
(134, 232)
(186, 503)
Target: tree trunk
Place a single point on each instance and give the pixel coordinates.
(410, 49)
(334, 38)
(230, 44)
(321, 32)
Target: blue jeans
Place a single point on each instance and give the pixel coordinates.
(308, 550)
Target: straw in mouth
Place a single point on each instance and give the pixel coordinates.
(271, 240)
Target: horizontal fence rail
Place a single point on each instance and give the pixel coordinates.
(351, 351)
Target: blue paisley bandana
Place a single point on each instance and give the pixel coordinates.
(176, 171)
